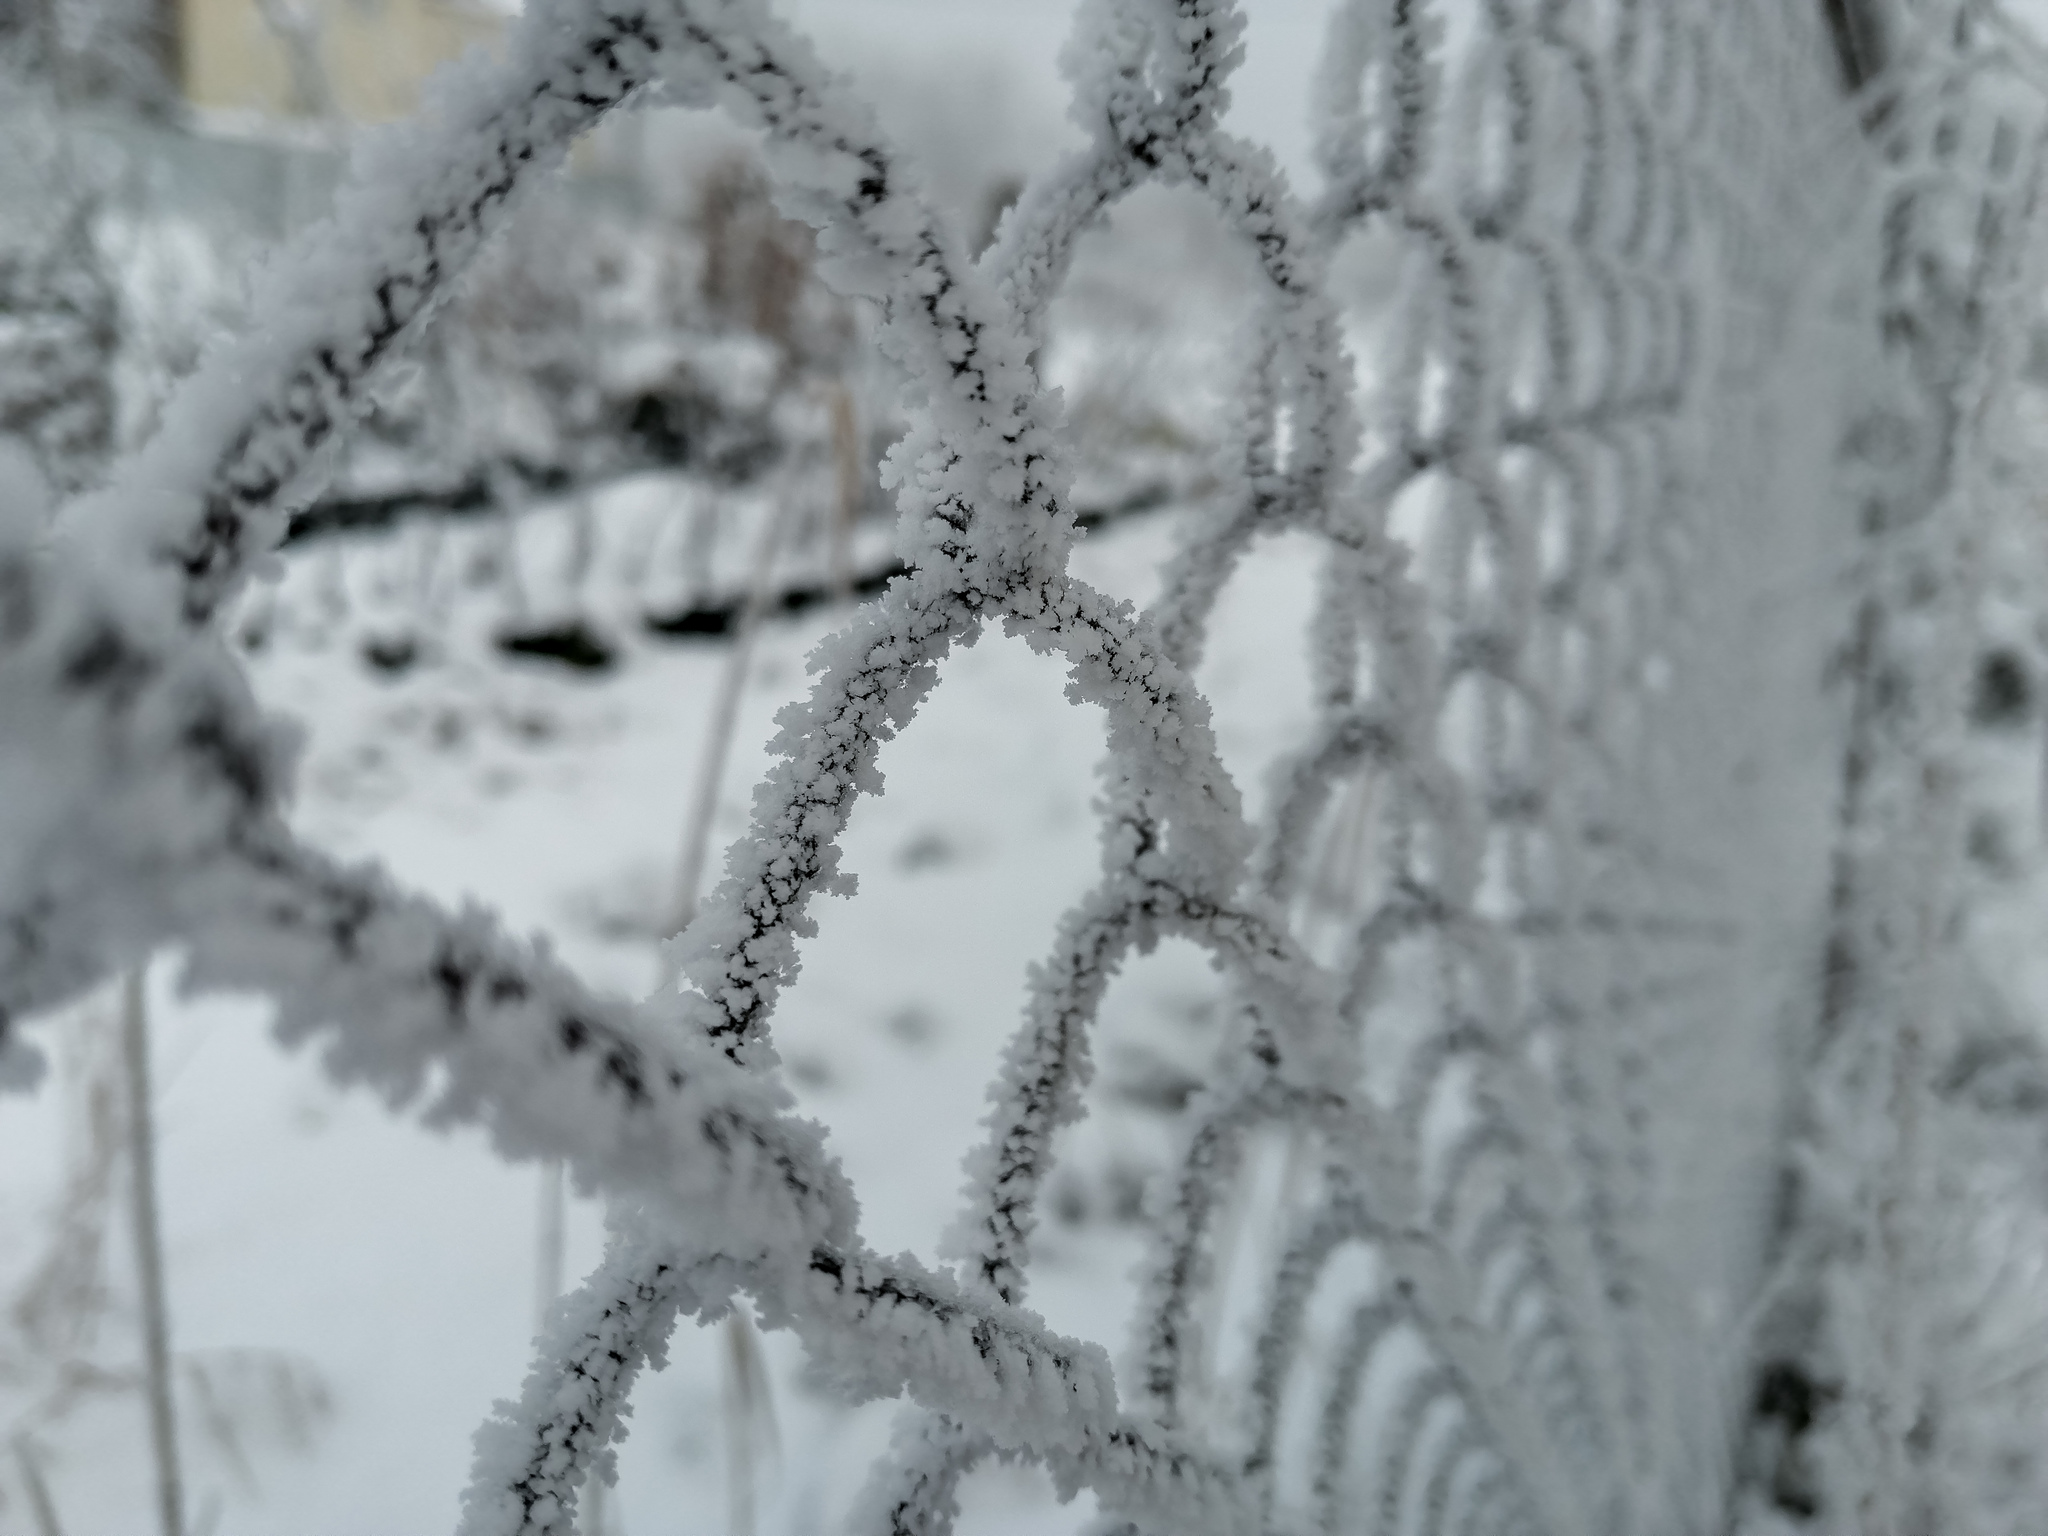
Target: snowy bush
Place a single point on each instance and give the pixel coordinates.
(1587, 909)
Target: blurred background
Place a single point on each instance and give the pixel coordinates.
(534, 636)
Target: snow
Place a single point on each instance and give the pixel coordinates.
(299, 1218)
(386, 1290)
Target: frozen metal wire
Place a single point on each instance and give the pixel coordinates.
(1562, 704)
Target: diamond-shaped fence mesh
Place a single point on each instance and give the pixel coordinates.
(1693, 339)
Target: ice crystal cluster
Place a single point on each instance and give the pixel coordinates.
(1645, 513)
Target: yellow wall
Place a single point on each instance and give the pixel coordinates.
(372, 54)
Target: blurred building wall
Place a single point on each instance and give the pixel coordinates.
(362, 60)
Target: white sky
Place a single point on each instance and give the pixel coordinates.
(1001, 59)
(1016, 44)
(2033, 12)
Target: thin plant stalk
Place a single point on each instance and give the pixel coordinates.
(426, 568)
(718, 738)
(749, 1404)
(847, 479)
(549, 1250)
(548, 1241)
(331, 589)
(582, 545)
(149, 1255)
(508, 500)
(40, 1504)
(749, 1421)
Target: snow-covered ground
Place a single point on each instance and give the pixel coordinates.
(350, 1292)
(397, 1267)
(357, 1290)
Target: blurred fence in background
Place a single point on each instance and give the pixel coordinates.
(1602, 1118)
